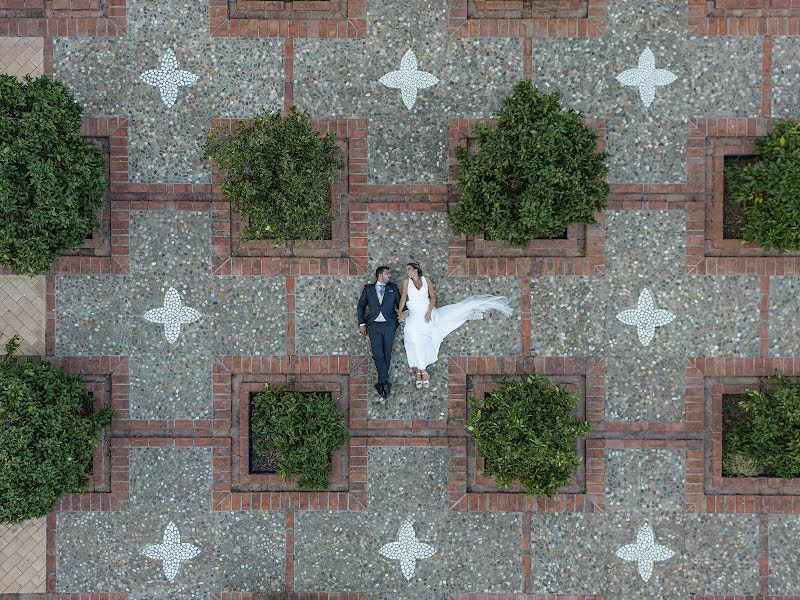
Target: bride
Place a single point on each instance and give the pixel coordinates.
(426, 326)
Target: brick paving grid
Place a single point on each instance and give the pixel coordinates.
(708, 138)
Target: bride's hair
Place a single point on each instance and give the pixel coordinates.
(417, 267)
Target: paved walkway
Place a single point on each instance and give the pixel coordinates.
(175, 322)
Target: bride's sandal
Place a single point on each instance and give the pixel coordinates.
(425, 381)
(418, 382)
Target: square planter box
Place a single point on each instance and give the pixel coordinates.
(716, 390)
(478, 387)
(243, 478)
(338, 244)
(719, 151)
(99, 242)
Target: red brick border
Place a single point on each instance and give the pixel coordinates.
(508, 20)
(744, 18)
(313, 20)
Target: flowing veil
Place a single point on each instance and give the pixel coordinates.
(450, 317)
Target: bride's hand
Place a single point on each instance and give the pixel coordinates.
(428, 317)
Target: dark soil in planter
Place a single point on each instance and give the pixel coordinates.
(733, 217)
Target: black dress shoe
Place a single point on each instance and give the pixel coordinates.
(379, 389)
(387, 389)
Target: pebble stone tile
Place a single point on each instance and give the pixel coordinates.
(406, 144)
(784, 533)
(579, 553)
(785, 77)
(137, 315)
(335, 551)
(113, 551)
(647, 124)
(784, 316)
(610, 316)
(169, 78)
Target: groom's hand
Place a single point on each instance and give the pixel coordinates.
(362, 330)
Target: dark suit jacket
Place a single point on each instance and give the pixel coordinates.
(369, 307)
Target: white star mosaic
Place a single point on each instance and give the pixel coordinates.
(645, 552)
(646, 317)
(408, 79)
(172, 315)
(407, 549)
(168, 78)
(646, 77)
(171, 551)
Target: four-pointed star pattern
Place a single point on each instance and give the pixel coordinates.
(407, 549)
(168, 78)
(171, 551)
(645, 552)
(646, 77)
(646, 317)
(408, 79)
(172, 315)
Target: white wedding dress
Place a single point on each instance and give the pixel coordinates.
(422, 340)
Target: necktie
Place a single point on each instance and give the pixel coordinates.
(381, 287)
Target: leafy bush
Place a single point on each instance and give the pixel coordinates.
(51, 179)
(526, 431)
(768, 190)
(48, 435)
(302, 429)
(769, 431)
(277, 173)
(537, 173)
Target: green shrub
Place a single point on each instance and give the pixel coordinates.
(526, 431)
(768, 190)
(302, 429)
(51, 179)
(277, 173)
(537, 173)
(48, 435)
(769, 431)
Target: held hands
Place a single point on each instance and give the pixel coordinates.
(402, 316)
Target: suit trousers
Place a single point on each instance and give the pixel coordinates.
(381, 337)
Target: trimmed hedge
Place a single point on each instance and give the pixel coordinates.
(768, 190)
(533, 176)
(526, 432)
(302, 429)
(48, 436)
(767, 432)
(277, 173)
(51, 179)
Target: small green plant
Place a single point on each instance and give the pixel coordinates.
(48, 435)
(51, 179)
(768, 431)
(302, 429)
(526, 431)
(738, 464)
(537, 173)
(768, 190)
(277, 173)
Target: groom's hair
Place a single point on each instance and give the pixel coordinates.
(380, 270)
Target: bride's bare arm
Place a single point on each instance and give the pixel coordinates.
(432, 297)
(403, 295)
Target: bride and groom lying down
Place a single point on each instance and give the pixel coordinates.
(380, 313)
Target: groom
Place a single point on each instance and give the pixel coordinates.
(381, 300)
